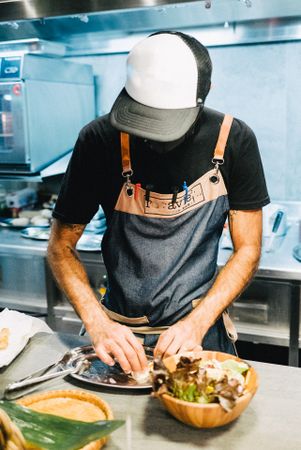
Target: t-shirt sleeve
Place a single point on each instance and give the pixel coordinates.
(78, 200)
(247, 186)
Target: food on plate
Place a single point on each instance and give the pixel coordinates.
(4, 338)
(20, 222)
(142, 377)
(40, 221)
(47, 213)
(36, 233)
(202, 380)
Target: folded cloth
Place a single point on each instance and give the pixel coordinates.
(20, 328)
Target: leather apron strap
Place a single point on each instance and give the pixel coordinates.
(139, 324)
(125, 153)
(222, 138)
(218, 151)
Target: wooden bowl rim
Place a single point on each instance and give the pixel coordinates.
(207, 352)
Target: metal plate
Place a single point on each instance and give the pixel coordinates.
(88, 242)
(8, 223)
(100, 374)
(37, 233)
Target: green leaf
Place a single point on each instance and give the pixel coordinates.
(236, 366)
(52, 432)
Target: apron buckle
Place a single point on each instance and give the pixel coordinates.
(128, 187)
(217, 162)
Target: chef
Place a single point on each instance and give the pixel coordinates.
(167, 172)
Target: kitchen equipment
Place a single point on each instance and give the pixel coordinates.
(270, 213)
(83, 364)
(276, 225)
(21, 198)
(212, 414)
(44, 102)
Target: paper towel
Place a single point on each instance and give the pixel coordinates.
(21, 328)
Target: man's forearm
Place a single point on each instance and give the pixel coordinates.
(229, 284)
(72, 279)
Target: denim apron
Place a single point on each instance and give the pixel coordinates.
(161, 254)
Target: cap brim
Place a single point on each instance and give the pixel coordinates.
(162, 125)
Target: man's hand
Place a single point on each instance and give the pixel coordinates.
(181, 337)
(113, 341)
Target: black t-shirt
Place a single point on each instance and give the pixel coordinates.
(94, 177)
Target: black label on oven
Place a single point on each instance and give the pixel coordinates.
(10, 67)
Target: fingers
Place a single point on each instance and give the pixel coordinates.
(104, 356)
(173, 348)
(138, 347)
(124, 347)
(132, 357)
(163, 343)
(196, 349)
(176, 340)
(121, 355)
(178, 346)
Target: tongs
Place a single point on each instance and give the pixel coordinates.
(71, 362)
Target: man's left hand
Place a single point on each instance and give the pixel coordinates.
(183, 336)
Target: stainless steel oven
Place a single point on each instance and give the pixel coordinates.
(44, 102)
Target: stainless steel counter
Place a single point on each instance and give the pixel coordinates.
(270, 422)
(12, 241)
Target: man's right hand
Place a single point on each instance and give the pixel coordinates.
(113, 341)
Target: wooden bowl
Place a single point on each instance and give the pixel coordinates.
(71, 404)
(212, 414)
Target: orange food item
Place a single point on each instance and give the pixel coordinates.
(4, 338)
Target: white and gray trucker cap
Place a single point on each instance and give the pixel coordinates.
(168, 79)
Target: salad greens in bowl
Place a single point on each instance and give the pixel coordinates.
(204, 390)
